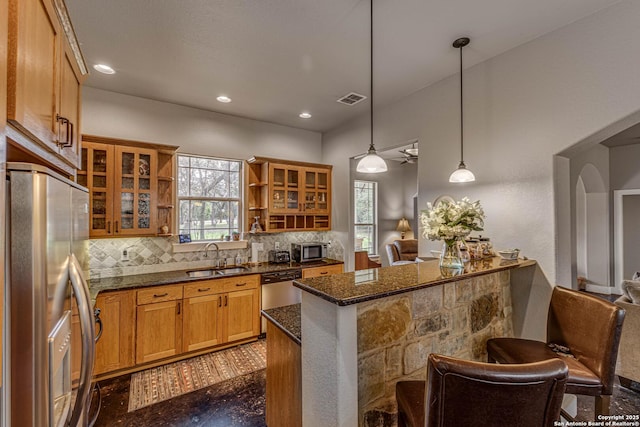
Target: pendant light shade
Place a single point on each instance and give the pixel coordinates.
(372, 162)
(462, 174)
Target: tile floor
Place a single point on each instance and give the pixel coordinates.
(236, 402)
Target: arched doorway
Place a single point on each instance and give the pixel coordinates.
(592, 228)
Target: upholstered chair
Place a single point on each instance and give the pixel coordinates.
(467, 393)
(402, 250)
(584, 332)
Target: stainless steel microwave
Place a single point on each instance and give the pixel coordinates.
(306, 252)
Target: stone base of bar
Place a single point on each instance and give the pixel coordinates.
(397, 333)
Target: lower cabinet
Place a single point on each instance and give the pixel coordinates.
(325, 270)
(160, 322)
(76, 344)
(241, 308)
(202, 322)
(219, 311)
(114, 349)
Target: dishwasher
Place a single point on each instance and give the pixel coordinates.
(277, 290)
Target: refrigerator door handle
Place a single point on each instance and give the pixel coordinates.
(81, 292)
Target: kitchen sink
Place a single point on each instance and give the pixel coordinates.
(217, 272)
(200, 273)
(230, 270)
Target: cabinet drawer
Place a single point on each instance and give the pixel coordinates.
(205, 287)
(239, 283)
(159, 294)
(321, 271)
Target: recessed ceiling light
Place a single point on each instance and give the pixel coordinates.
(223, 98)
(104, 69)
(304, 115)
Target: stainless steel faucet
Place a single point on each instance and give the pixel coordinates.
(206, 252)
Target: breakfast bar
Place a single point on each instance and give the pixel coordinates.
(362, 332)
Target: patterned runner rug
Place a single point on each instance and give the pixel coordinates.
(168, 381)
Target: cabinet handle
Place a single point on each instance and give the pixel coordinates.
(226, 300)
(160, 295)
(179, 308)
(324, 272)
(203, 290)
(116, 226)
(219, 301)
(108, 227)
(241, 284)
(69, 140)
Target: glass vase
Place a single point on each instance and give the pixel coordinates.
(450, 262)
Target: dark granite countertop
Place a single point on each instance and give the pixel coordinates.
(365, 285)
(181, 276)
(287, 319)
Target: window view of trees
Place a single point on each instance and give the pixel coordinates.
(209, 197)
(366, 218)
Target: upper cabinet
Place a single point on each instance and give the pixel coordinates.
(44, 79)
(288, 196)
(131, 187)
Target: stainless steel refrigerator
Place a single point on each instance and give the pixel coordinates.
(47, 237)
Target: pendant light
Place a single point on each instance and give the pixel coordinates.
(372, 162)
(462, 174)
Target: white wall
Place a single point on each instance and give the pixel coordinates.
(195, 131)
(631, 240)
(624, 166)
(521, 108)
(581, 229)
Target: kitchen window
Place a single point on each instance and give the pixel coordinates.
(365, 195)
(209, 197)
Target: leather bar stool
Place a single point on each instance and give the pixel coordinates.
(467, 393)
(584, 332)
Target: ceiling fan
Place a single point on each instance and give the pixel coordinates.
(410, 155)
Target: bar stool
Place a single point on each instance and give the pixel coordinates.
(584, 332)
(467, 393)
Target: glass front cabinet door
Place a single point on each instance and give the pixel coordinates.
(285, 189)
(136, 191)
(316, 190)
(97, 175)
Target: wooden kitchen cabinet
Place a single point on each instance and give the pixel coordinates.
(288, 196)
(115, 348)
(321, 271)
(76, 344)
(284, 188)
(131, 187)
(158, 324)
(221, 310)
(148, 325)
(135, 197)
(242, 314)
(45, 75)
(202, 321)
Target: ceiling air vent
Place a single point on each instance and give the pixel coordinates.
(352, 98)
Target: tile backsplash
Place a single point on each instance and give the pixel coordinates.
(155, 254)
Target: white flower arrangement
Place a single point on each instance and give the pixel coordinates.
(451, 220)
